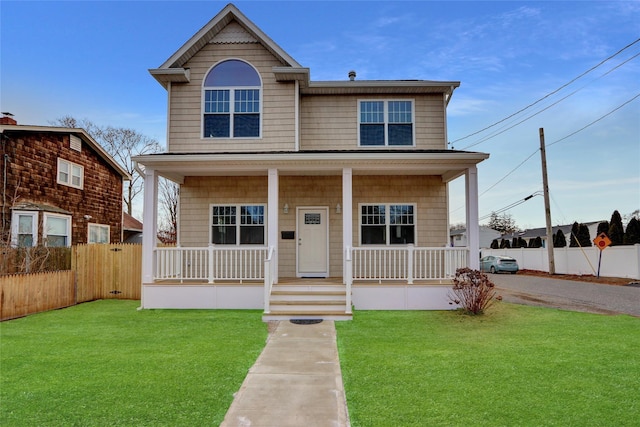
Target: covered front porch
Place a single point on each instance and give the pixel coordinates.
(406, 278)
(295, 190)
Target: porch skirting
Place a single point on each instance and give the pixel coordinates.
(203, 296)
(401, 297)
(365, 296)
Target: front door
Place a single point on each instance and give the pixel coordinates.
(313, 242)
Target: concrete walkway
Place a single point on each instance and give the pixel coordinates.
(296, 381)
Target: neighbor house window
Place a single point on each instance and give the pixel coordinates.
(232, 101)
(387, 224)
(243, 224)
(24, 229)
(70, 174)
(98, 233)
(386, 123)
(56, 230)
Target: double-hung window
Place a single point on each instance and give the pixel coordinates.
(24, 226)
(232, 101)
(243, 224)
(57, 230)
(70, 174)
(387, 224)
(98, 233)
(386, 123)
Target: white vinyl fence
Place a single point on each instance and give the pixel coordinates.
(617, 261)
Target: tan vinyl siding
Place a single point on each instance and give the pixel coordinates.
(331, 122)
(278, 102)
(198, 193)
(428, 193)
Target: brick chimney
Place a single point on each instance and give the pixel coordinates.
(7, 119)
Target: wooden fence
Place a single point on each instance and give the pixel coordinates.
(97, 272)
(107, 271)
(22, 294)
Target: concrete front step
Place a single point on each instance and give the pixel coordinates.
(312, 300)
(324, 315)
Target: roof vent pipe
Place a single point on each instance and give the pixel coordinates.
(352, 75)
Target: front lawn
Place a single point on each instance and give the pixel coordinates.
(105, 363)
(516, 365)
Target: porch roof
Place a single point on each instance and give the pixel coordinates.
(449, 164)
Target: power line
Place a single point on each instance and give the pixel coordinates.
(503, 130)
(559, 140)
(511, 206)
(549, 94)
(596, 120)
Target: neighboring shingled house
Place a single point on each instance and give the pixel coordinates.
(59, 187)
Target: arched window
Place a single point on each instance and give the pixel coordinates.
(232, 101)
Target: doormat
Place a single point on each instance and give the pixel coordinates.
(305, 321)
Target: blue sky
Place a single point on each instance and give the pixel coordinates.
(90, 60)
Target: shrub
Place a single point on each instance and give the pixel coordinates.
(473, 290)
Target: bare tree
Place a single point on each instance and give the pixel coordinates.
(169, 192)
(122, 144)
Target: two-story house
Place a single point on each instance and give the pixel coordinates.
(59, 187)
(335, 191)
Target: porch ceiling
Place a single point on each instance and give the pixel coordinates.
(448, 164)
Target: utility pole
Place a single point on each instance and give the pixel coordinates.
(547, 207)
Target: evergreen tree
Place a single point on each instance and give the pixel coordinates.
(495, 244)
(559, 240)
(504, 244)
(603, 227)
(573, 239)
(537, 242)
(584, 236)
(616, 230)
(515, 243)
(522, 243)
(632, 234)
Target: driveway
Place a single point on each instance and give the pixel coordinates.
(568, 294)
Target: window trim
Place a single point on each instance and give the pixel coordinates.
(232, 111)
(70, 179)
(15, 224)
(100, 226)
(388, 224)
(48, 215)
(238, 223)
(386, 123)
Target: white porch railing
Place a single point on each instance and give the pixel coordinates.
(210, 264)
(404, 263)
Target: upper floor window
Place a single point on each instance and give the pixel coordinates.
(70, 174)
(231, 101)
(386, 123)
(387, 224)
(233, 224)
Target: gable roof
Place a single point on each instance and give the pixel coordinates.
(230, 25)
(171, 70)
(80, 133)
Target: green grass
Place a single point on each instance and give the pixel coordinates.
(514, 366)
(105, 363)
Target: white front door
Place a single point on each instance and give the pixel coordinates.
(313, 242)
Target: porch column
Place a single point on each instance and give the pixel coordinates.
(149, 225)
(347, 215)
(473, 221)
(272, 219)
